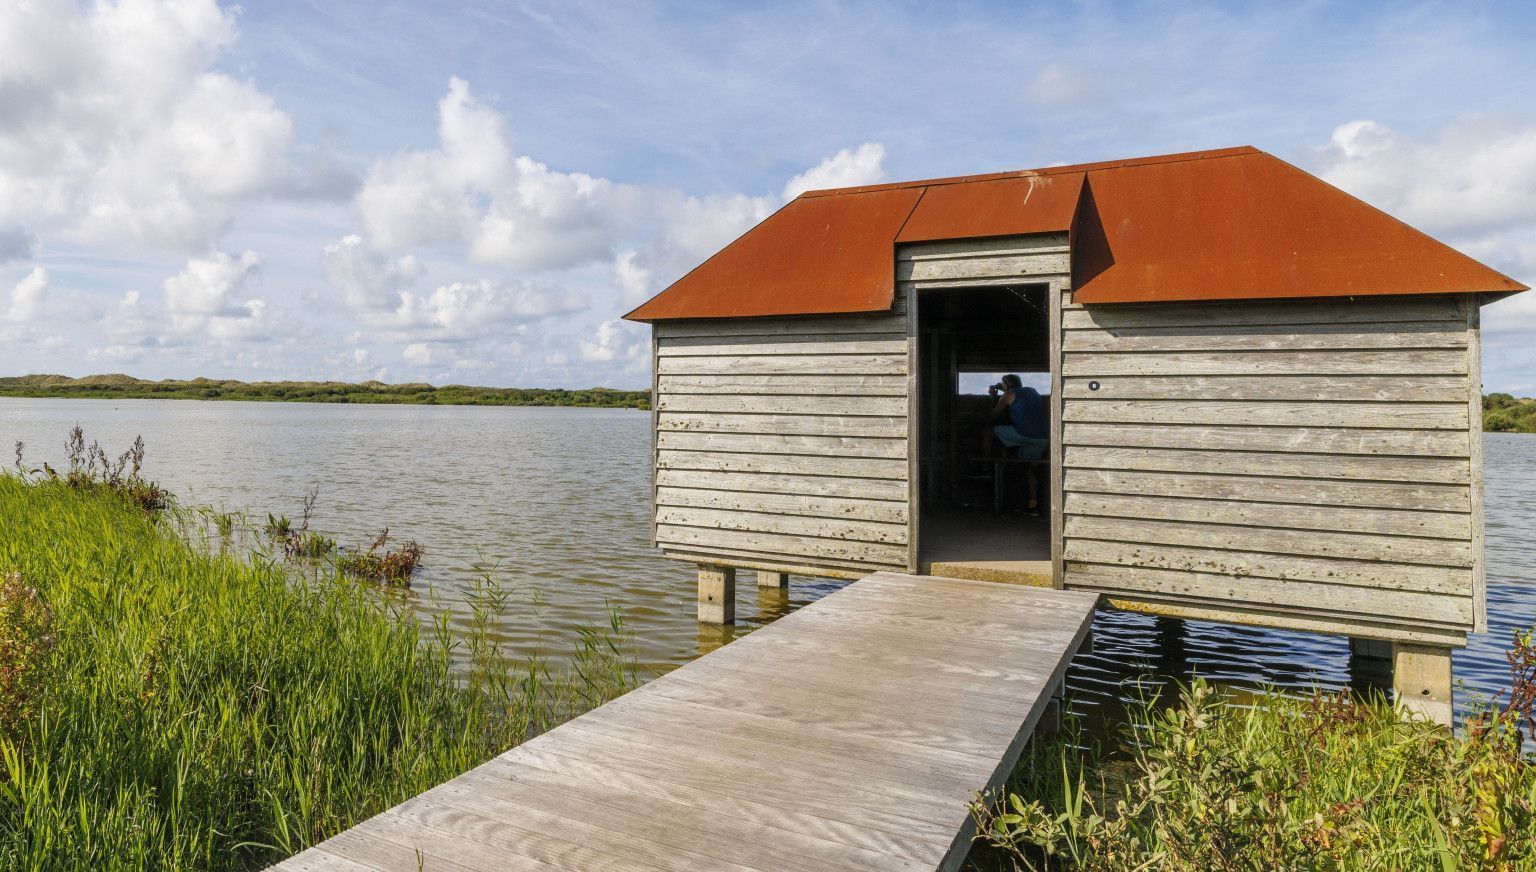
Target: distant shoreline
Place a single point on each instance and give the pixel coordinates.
(123, 387)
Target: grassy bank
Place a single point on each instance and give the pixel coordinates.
(1321, 782)
(123, 387)
(168, 705)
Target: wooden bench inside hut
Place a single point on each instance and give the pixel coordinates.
(1264, 399)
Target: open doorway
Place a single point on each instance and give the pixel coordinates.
(974, 493)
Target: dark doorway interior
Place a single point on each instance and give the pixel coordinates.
(975, 520)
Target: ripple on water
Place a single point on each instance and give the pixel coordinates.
(556, 501)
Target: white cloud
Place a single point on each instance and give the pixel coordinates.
(849, 167)
(466, 310)
(27, 296)
(417, 353)
(615, 341)
(1472, 184)
(1472, 177)
(510, 210)
(118, 132)
(207, 284)
(370, 279)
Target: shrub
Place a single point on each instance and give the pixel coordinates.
(1319, 782)
(390, 566)
(25, 642)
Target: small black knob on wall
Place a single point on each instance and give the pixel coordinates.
(1093, 386)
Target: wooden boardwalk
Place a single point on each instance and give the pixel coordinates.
(850, 734)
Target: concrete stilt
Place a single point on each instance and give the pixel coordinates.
(717, 594)
(772, 579)
(1421, 680)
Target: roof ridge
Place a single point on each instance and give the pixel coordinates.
(1176, 157)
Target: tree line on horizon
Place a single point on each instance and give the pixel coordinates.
(117, 386)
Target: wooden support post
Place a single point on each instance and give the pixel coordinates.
(717, 594)
(779, 580)
(1055, 708)
(1421, 680)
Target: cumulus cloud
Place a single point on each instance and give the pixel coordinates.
(1472, 177)
(1472, 184)
(207, 285)
(851, 166)
(417, 353)
(119, 132)
(370, 279)
(467, 310)
(27, 296)
(615, 341)
(511, 210)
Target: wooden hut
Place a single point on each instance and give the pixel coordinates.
(1264, 394)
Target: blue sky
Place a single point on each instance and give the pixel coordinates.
(474, 192)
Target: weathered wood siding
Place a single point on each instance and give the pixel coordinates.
(782, 442)
(1303, 463)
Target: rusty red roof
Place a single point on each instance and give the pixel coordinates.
(1229, 224)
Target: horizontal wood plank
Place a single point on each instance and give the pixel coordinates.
(881, 322)
(818, 527)
(1418, 362)
(1386, 468)
(816, 343)
(1268, 337)
(1354, 546)
(760, 443)
(1274, 413)
(1299, 595)
(792, 405)
(787, 425)
(778, 482)
(789, 464)
(1295, 516)
(1265, 313)
(785, 364)
(1382, 577)
(866, 553)
(1358, 388)
(793, 385)
(885, 511)
(1307, 440)
(1021, 265)
(1423, 496)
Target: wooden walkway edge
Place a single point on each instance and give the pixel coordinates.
(848, 735)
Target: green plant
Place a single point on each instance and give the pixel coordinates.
(25, 643)
(90, 468)
(1321, 781)
(208, 710)
(378, 563)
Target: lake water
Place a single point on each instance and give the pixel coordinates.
(555, 502)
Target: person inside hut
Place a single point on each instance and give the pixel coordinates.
(1019, 426)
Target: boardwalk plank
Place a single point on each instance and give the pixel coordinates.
(848, 735)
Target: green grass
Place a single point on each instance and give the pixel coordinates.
(116, 386)
(195, 709)
(1318, 782)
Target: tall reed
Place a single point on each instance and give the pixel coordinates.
(207, 710)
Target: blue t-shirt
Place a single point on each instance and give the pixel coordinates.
(1027, 413)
